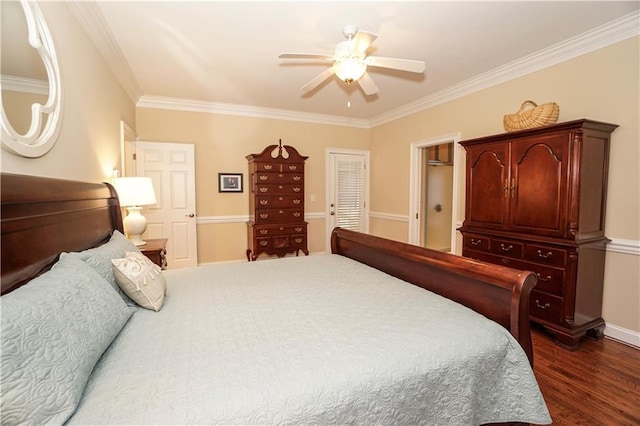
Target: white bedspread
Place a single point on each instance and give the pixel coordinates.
(309, 340)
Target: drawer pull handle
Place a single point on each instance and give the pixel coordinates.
(280, 211)
(296, 214)
(507, 248)
(297, 178)
(280, 175)
(298, 240)
(505, 261)
(264, 231)
(296, 201)
(544, 255)
(280, 186)
(282, 228)
(293, 167)
(268, 167)
(264, 202)
(264, 243)
(296, 189)
(475, 242)
(264, 215)
(298, 229)
(545, 306)
(264, 189)
(547, 278)
(263, 177)
(280, 198)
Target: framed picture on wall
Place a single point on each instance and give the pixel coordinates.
(229, 182)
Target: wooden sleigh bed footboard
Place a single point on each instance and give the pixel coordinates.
(499, 293)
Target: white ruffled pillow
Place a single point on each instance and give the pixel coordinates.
(140, 279)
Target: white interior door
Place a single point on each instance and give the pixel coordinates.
(347, 191)
(171, 167)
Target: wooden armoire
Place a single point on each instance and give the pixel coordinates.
(276, 202)
(535, 200)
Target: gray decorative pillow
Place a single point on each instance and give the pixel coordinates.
(99, 258)
(54, 330)
(141, 280)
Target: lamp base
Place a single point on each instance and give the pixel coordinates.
(134, 225)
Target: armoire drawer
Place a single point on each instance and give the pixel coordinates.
(476, 242)
(507, 248)
(545, 254)
(545, 307)
(550, 279)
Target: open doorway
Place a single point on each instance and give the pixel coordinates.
(433, 186)
(436, 196)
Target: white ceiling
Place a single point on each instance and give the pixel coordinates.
(226, 52)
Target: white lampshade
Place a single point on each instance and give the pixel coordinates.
(134, 192)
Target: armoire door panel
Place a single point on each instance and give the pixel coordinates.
(487, 183)
(539, 186)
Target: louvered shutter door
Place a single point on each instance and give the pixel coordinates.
(350, 195)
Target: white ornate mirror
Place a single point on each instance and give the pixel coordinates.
(30, 81)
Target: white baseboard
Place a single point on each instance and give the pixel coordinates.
(624, 335)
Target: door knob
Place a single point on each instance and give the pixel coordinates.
(190, 215)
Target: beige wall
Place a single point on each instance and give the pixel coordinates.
(88, 145)
(602, 85)
(221, 144)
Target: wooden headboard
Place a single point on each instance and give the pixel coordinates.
(42, 217)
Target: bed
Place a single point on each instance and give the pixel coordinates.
(350, 337)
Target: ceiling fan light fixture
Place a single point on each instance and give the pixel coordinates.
(349, 69)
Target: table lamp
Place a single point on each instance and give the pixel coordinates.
(133, 193)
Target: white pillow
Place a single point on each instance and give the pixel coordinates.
(140, 279)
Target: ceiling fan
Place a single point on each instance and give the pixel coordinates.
(350, 61)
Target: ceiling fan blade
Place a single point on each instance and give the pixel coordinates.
(305, 56)
(394, 63)
(367, 84)
(317, 80)
(362, 40)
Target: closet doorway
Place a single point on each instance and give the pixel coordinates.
(434, 193)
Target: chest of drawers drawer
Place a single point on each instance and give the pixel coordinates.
(279, 201)
(279, 189)
(278, 215)
(265, 231)
(279, 178)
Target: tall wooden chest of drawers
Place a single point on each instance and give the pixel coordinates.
(276, 203)
(535, 200)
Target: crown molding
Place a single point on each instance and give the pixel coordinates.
(179, 104)
(92, 20)
(605, 35)
(24, 85)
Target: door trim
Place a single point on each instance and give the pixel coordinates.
(328, 182)
(414, 183)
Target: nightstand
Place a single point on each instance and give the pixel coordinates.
(156, 250)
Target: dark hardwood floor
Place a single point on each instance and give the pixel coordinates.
(599, 384)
